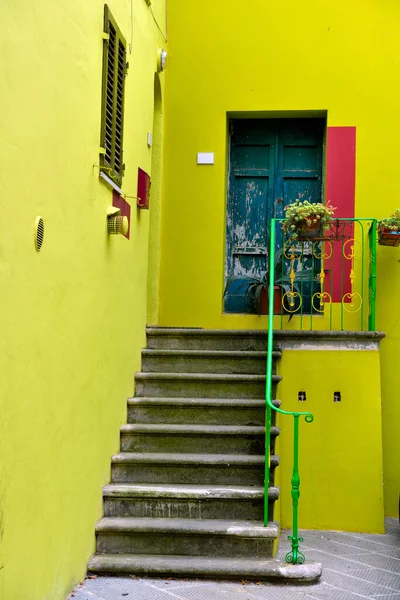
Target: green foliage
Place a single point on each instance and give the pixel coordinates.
(304, 213)
(391, 223)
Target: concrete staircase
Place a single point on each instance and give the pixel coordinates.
(187, 490)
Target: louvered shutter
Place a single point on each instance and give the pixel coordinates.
(112, 123)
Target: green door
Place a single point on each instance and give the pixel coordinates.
(272, 163)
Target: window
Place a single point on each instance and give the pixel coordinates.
(112, 118)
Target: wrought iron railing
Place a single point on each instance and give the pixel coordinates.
(325, 283)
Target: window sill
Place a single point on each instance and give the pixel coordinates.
(110, 182)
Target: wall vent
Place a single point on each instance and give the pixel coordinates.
(39, 233)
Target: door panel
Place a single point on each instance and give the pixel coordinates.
(272, 163)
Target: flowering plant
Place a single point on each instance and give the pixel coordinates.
(302, 214)
(392, 223)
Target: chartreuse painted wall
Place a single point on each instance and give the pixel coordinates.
(262, 59)
(341, 450)
(72, 316)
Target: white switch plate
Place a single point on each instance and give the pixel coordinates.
(205, 158)
(149, 139)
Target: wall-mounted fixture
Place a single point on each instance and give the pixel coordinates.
(161, 60)
(205, 158)
(337, 396)
(302, 396)
(116, 223)
(39, 233)
(143, 190)
(120, 202)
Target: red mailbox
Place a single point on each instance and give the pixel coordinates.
(143, 191)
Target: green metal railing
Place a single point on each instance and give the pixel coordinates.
(298, 277)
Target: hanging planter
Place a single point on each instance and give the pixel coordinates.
(387, 237)
(305, 220)
(389, 230)
(309, 229)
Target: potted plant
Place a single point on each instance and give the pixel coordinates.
(257, 288)
(389, 230)
(304, 219)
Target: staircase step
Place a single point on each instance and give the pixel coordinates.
(211, 411)
(206, 361)
(209, 469)
(215, 439)
(202, 566)
(201, 385)
(193, 537)
(206, 339)
(186, 501)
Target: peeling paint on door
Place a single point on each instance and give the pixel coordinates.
(272, 163)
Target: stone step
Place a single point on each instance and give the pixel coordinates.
(214, 439)
(201, 385)
(211, 411)
(185, 537)
(206, 339)
(203, 566)
(206, 361)
(198, 469)
(186, 501)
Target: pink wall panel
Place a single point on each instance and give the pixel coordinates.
(340, 192)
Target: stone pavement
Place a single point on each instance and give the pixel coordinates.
(354, 566)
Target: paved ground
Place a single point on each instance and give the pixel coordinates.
(354, 566)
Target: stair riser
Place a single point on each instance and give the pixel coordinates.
(196, 415)
(199, 389)
(212, 475)
(184, 545)
(177, 364)
(242, 510)
(192, 444)
(204, 342)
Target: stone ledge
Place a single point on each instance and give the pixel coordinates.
(198, 566)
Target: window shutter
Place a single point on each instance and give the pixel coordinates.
(112, 122)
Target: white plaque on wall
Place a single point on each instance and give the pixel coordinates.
(205, 158)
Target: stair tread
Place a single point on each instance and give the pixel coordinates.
(186, 491)
(214, 402)
(200, 332)
(203, 566)
(233, 377)
(186, 429)
(211, 353)
(186, 458)
(187, 526)
(218, 402)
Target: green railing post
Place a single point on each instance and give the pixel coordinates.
(372, 276)
(294, 557)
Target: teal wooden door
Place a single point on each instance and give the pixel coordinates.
(272, 163)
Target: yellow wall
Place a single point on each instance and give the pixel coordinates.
(72, 316)
(341, 451)
(257, 57)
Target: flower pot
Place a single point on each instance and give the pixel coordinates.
(387, 237)
(305, 231)
(263, 307)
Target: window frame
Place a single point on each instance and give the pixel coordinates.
(111, 144)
